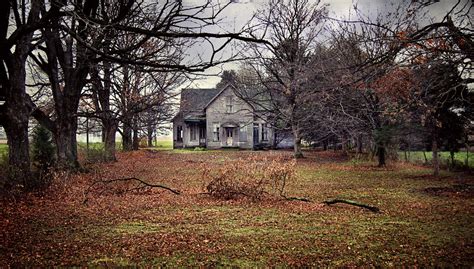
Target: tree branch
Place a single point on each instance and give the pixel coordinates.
(354, 203)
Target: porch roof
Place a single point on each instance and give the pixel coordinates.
(230, 124)
(195, 117)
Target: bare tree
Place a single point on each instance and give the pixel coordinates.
(90, 32)
(292, 27)
(141, 95)
(18, 22)
(444, 44)
(66, 38)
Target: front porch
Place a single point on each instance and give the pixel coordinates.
(196, 133)
(230, 135)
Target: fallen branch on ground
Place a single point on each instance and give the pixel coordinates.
(354, 203)
(137, 186)
(145, 184)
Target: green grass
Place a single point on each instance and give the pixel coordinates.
(95, 145)
(190, 151)
(164, 144)
(160, 145)
(445, 157)
(3, 149)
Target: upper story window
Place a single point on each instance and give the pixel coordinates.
(229, 104)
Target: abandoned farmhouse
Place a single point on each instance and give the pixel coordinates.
(218, 118)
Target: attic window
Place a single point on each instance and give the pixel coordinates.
(229, 104)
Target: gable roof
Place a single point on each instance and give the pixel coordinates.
(193, 100)
(219, 92)
(233, 88)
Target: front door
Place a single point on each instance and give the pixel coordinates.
(255, 134)
(229, 132)
(202, 136)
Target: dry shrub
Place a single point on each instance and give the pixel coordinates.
(252, 177)
(143, 142)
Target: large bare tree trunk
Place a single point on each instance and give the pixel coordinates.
(136, 139)
(381, 152)
(17, 112)
(67, 104)
(150, 135)
(66, 94)
(297, 142)
(74, 61)
(103, 134)
(127, 142)
(109, 136)
(102, 91)
(66, 144)
(16, 129)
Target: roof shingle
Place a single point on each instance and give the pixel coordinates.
(195, 100)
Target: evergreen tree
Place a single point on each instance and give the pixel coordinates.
(227, 77)
(43, 148)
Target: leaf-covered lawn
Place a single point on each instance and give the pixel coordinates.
(425, 221)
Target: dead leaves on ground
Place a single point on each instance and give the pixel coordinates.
(158, 227)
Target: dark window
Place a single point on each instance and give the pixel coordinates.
(193, 131)
(264, 132)
(255, 133)
(243, 132)
(202, 132)
(179, 135)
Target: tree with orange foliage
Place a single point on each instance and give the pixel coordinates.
(383, 65)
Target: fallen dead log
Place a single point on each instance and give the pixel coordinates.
(139, 185)
(354, 203)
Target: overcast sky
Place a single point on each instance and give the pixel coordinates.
(238, 13)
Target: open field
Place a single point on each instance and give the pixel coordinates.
(160, 145)
(424, 221)
(416, 157)
(445, 157)
(168, 144)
